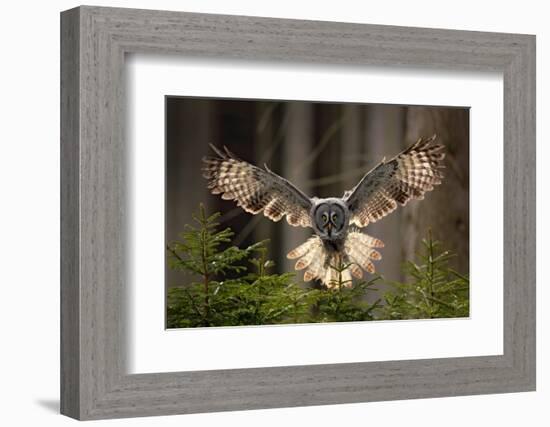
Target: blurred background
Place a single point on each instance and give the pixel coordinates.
(324, 149)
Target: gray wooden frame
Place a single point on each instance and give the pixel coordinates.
(94, 41)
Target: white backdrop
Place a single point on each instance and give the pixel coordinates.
(29, 224)
(153, 349)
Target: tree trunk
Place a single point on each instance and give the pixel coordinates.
(446, 209)
(298, 143)
(384, 138)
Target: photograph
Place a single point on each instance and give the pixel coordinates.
(295, 212)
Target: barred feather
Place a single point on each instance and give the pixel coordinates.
(255, 189)
(318, 263)
(407, 176)
(311, 256)
(359, 248)
(304, 248)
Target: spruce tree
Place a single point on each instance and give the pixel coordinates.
(432, 288)
(205, 255)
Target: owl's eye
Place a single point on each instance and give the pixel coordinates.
(324, 217)
(333, 216)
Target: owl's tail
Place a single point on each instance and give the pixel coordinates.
(337, 268)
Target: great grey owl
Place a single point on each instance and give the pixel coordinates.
(338, 240)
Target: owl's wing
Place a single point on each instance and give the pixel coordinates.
(407, 176)
(255, 189)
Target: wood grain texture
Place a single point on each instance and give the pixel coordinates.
(94, 238)
(70, 221)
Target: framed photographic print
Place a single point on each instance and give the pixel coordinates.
(262, 213)
(323, 150)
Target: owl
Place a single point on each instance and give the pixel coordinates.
(338, 249)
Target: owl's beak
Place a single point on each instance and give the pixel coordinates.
(328, 227)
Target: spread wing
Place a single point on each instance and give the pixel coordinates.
(407, 176)
(255, 189)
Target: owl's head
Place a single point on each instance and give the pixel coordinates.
(330, 218)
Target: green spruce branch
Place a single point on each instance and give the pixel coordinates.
(432, 288)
